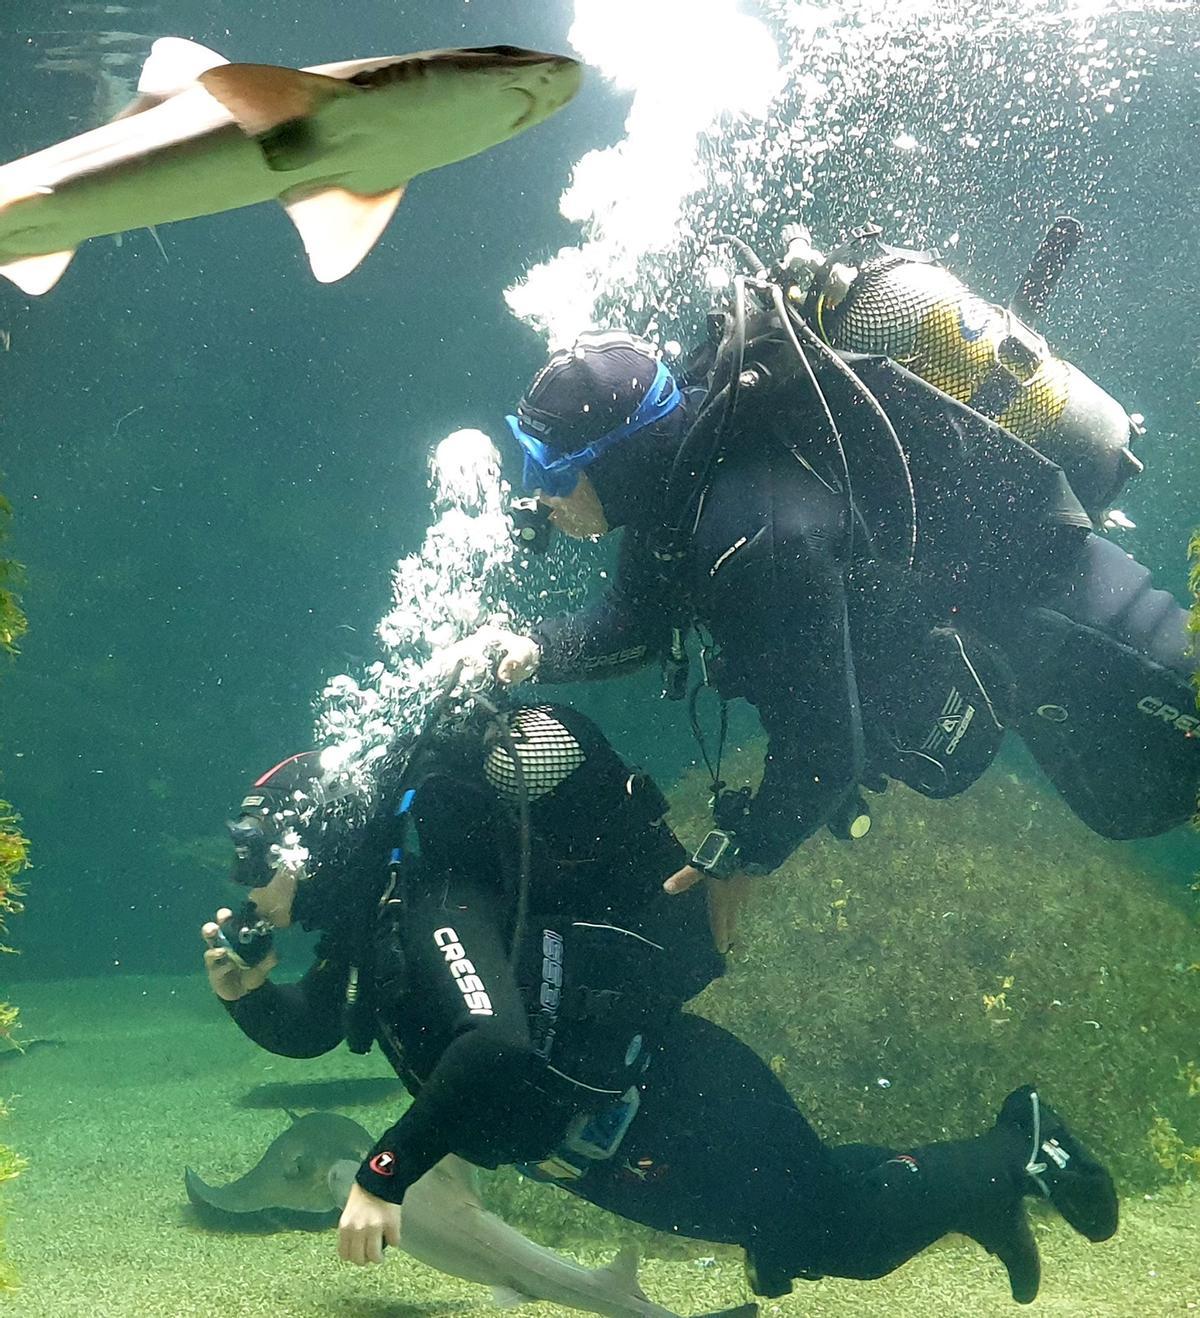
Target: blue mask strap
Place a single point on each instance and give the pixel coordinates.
(660, 400)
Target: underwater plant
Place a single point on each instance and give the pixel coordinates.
(1194, 583)
(1171, 1152)
(12, 620)
(14, 849)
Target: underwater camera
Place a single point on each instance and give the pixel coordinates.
(246, 936)
(251, 851)
(531, 526)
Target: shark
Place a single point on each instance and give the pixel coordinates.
(303, 1179)
(444, 1224)
(335, 144)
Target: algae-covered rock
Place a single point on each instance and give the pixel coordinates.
(1194, 582)
(901, 985)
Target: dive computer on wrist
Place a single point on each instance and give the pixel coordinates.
(717, 854)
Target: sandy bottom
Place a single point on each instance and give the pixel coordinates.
(148, 1079)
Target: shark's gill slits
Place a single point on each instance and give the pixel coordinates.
(529, 107)
(388, 75)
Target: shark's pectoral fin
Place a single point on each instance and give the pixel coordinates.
(37, 274)
(339, 228)
(264, 96)
(174, 65)
(504, 1297)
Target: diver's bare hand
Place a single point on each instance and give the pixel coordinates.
(368, 1224)
(520, 659)
(684, 879)
(513, 658)
(227, 977)
(726, 897)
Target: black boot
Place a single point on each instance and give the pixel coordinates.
(995, 1218)
(1058, 1166)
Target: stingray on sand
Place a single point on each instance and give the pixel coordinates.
(288, 1187)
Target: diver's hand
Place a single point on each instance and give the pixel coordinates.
(726, 897)
(684, 879)
(368, 1224)
(520, 659)
(512, 658)
(227, 977)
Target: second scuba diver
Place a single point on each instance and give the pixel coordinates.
(889, 576)
(497, 923)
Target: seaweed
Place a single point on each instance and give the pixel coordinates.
(1194, 585)
(12, 619)
(1179, 1159)
(902, 985)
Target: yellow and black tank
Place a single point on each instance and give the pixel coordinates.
(870, 297)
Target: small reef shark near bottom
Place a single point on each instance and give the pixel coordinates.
(306, 1174)
(335, 144)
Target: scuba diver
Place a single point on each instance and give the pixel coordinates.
(892, 563)
(496, 922)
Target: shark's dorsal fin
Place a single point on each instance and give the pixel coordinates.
(37, 274)
(263, 96)
(624, 1272)
(174, 65)
(339, 228)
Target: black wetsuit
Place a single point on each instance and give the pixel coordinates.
(505, 1059)
(1013, 614)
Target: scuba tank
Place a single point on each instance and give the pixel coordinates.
(870, 297)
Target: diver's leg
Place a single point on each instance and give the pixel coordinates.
(887, 1206)
(719, 1151)
(716, 1144)
(1105, 589)
(1101, 672)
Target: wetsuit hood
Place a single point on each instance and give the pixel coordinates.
(630, 480)
(585, 802)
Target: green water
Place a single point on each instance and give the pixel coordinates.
(214, 463)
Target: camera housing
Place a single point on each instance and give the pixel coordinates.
(246, 936)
